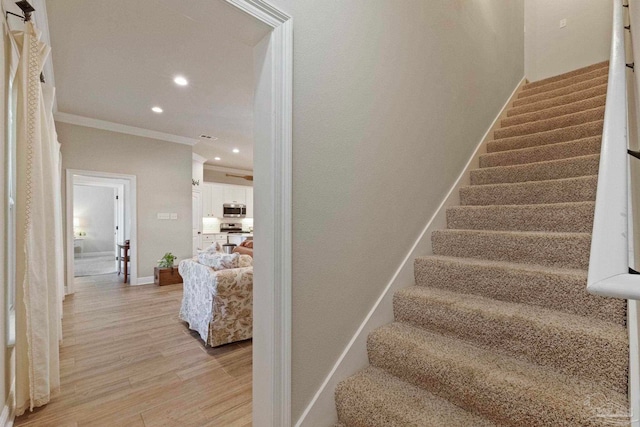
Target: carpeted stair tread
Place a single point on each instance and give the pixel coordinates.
(565, 76)
(375, 398)
(505, 390)
(553, 112)
(565, 90)
(560, 122)
(554, 288)
(574, 217)
(527, 90)
(570, 133)
(574, 345)
(539, 171)
(561, 150)
(578, 189)
(558, 101)
(561, 250)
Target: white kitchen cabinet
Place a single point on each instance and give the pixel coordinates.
(212, 200)
(249, 202)
(235, 194)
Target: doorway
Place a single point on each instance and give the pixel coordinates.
(100, 216)
(98, 224)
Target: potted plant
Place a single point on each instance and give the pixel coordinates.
(164, 273)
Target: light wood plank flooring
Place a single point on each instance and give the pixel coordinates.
(127, 360)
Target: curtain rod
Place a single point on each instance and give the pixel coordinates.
(27, 9)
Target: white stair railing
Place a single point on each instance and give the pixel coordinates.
(612, 237)
(612, 253)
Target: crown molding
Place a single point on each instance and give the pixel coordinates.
(120, 128)
(198, 158)
(227, 170)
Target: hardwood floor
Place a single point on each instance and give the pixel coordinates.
(127, 360)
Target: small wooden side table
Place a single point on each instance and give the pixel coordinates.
(123, 258)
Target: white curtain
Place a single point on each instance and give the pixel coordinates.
(39, 229)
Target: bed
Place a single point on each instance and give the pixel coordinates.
(218, 303)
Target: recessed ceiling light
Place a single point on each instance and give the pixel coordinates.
(157, 110)
(217, 158)
(235, 150)
(180, 81)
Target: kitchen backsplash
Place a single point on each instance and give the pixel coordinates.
(212, 225)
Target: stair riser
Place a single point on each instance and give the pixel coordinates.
(548, 218)
(553, 250)
(477, 392)
(578, 354)
(567, 90)
(551, 124)
(571, 133)
(566, 76)
(527, 90)
(582, 189)
(543, 153)
(375, 398)
(570, 168)
(554, 290)
(550, 113)
(559, 101)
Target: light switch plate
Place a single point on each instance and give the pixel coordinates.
(563, 23)
(164, 216)
(174, 216)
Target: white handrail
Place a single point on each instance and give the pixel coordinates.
(609, 259)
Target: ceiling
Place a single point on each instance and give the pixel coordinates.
(114, 60)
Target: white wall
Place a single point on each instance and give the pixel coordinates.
(163, 177)
(390, 99)
(95, 209)
(551, 50)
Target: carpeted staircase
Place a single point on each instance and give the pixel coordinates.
(499, 328)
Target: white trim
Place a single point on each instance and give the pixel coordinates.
(90, 254)
(634, 361)
(198, 158)
(130, 197)
(226, 170)
(147, 280)
(120, 128)
(272, 322)
(321, 410)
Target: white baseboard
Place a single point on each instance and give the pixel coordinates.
(147, 280)
(321, 411)
(91, 254)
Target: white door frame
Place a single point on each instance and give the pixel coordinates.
(130, 214)
(272, 186)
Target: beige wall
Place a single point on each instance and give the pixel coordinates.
(163, 177)
(551, 50)
(390, 100)
(217, 176)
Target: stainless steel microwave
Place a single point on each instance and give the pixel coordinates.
(234, 210)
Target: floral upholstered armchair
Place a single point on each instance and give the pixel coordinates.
(218, 303)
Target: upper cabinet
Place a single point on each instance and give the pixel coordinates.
(235, 194)
(212, 200)
(214, 195)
